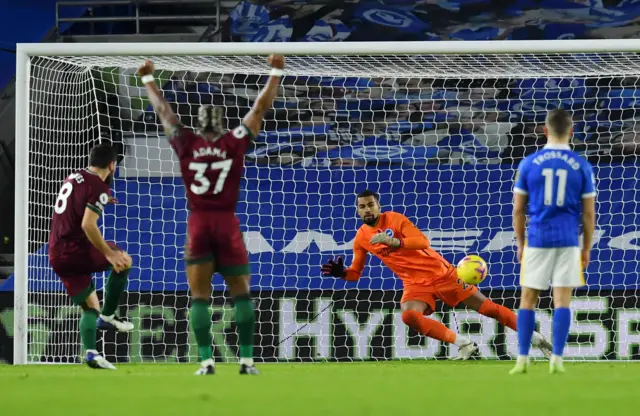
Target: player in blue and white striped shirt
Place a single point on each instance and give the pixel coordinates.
(558, 187)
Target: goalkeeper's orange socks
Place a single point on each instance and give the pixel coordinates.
(428, 327)
(88, 328)
(200, 321)
(245, 326)
(116, 283)
(498, 312)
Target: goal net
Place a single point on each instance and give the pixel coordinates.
(438, 135)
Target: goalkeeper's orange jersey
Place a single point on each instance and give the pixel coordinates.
(415, 262)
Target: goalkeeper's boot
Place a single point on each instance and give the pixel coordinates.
(207, 367)
(542, 344)
(466, 351)
(545, 347)
(97, 361)
(522, 366)
(555, 365)
(113, 323)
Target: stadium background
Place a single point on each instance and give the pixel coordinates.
(409, 142)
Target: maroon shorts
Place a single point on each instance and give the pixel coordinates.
(216, 236)
(75, 267)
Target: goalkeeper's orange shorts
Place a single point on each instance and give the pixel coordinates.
(448, 288)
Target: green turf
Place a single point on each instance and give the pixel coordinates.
(386, 388)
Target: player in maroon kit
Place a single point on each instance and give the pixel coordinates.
(77, 249)
(212, 161)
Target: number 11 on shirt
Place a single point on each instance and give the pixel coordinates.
(548, 185)
(555, 187)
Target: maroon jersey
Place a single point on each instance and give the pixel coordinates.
(82, 189)
(211, 169)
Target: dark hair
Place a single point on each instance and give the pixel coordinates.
(102, 155)
(368, 192)
(559, 122)
(210, 118)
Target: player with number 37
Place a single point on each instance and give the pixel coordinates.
(211, 163)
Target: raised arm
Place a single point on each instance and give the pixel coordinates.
(253, 119)
(169, 119)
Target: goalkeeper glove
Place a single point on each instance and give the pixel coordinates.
(334, 268)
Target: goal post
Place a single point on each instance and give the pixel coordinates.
(331, 48)
(21, 251)
(436, 127)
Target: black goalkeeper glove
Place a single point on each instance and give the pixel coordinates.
(334, 268)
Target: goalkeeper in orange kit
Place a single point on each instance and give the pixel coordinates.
(425, 274)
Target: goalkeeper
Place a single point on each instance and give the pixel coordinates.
(426, 275)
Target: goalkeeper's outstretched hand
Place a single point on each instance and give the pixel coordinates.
(334, 268)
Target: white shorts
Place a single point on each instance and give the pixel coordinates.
(559, 266)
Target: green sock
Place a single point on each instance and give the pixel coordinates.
(88, 329)
(245, 324)
(200, 320)
(116, 283)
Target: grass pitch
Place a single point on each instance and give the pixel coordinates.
(425, 388)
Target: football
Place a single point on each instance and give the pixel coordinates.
(472, 269)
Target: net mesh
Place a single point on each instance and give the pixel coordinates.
(439, 136)
(427, 65)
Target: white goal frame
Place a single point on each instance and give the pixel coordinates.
(23, 71)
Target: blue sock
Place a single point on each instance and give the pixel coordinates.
(526, 324)
(561, 324)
